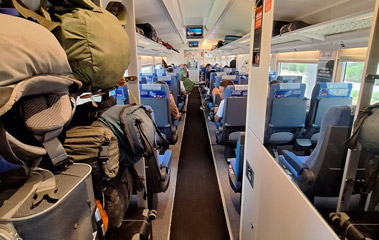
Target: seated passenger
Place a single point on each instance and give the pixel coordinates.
(173, 108)
(270, 83)
(188, 84)
(220, 110)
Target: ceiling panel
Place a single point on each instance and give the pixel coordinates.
(195, 12)
(236, 21)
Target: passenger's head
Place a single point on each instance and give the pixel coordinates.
(270, 83)
(208, 66)
(170, 70)
(223, 86)
(161, 82)
(273, 82)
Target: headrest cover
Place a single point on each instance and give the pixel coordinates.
(164, 78)
(330, 90)
(283, 90)
(229, 77)
(236, 91)
(154, 91)
(220, 73)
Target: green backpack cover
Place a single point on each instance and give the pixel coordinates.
(96, 44)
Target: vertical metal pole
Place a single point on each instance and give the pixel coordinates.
(131, 30)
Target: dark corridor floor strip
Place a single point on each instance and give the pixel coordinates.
(198, 212)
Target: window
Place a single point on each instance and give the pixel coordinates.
(352, 72)
(147, 69)
(307, 70)
(158, 66)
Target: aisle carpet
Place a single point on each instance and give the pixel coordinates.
(198, 212)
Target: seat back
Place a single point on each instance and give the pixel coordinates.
(219, 79)
(173, 83)
(327, 161)
(228, 71)
(290, 79)
(286, 111)
(157, 96)
(161, 72)
(324, 96)
(243, 80)
(235, 105)
(143, 80)
(234, 115)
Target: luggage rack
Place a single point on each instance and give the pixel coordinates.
(346, 32)
(146, 46)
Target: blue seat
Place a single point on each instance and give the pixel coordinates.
(143, 80)
(320, 174)
(173, 83)
(157, 96)
(160, 72)
(148, 76)
(234, 117)
(236, 165)
(324, 96)
(229, 71)
(121, 95)
(221, 78)
(243, 79)
(286, 112)
(290, 79)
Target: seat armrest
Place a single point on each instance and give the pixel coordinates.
(166, 159)
(295, 163)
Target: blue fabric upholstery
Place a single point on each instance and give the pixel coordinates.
(236, 165)
(157, 96)
(160, 72)
(234, 115)
(324, 96)
(286, 111)
(323, 169)
(290, 79)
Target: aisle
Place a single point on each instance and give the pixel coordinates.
(198, 212)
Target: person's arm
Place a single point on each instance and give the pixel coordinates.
(173, 108)
(219, 112)
(182, 88)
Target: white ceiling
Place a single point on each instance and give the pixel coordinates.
(236, 20)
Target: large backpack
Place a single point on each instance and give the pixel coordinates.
(37, 101)
(135, 131)
(366, 130)
(97, 46)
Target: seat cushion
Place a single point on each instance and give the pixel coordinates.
(281, 137)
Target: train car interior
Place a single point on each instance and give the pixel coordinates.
(183, 120)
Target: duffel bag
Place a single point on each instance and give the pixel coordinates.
(97, 146)
(97, 46)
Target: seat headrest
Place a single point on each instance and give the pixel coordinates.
(290, 79)
(154, 91)
(334, 90)
(283, 90)
(236, 91)
(229, 77)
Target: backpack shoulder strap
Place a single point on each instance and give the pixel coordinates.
(119, 10)
(27, 13)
